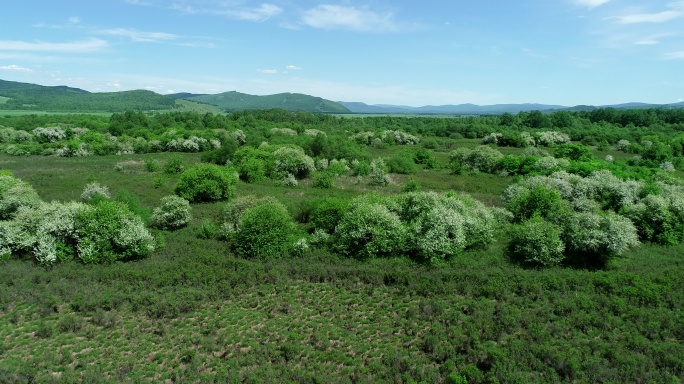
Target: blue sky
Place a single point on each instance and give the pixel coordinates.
(431, 52)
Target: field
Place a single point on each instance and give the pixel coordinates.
(193, 311)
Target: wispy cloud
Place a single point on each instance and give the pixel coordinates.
(229, 9)
(41, 46)
(198, 44)
(262, 13)
(350, 18)
(293, 68)
(675, 55)
(591, 4)
(15, 68)
(139, 36)
(74, 20)
(659, 17)
(268, 71)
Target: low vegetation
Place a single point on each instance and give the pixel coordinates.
(276, 246)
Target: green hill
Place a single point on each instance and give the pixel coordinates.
(236, 101)
(32, 97)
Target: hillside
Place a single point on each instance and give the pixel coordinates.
(236, 101)
(32, 97)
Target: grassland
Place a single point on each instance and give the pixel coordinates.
(192, 312)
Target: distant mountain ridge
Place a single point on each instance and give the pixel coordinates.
(496, 109)
(236, 101)
(33, 97)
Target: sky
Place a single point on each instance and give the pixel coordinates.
(429, 52)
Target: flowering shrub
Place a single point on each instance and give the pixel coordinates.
(50, 134)
(550, 138)
(314, 132)
(239, 136)
(659, 219)
(399, 137)
(598, 238)
(11, 135)
(207, 182)
(15, 193)
(290, 180)
(95, 192)
(622, 145)
(283, 131)
(378, 173)
(111, 232)
(173, 213)
(479, 159)
(292, 159)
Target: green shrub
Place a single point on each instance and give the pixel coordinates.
(173, 213)
(536, 242)
(174, 165)
(207, 182)
(425, 157)
(111, 232)
(264, 231)
(659, 219)
(152, 166)
(411, 185)
(133, 203)
(402, 163)
(360, 168)
(234, 211)
(538, 200)
(322, 179)
(325, 214)
(369, 229)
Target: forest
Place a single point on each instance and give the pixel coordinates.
(281, 246)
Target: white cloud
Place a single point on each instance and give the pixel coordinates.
(75, 46)
(293, 68)
(269, 71)
(646, 42)
(591, 3)
(261, 13)
(659, 17)
(198, 44)
(15, 68)
(74, 20)
(351, 18)
(264, 12)
(139, 35)
(675, 55)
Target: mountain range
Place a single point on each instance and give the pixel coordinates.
(33, 97)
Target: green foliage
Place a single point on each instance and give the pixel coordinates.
(402, 163)
(576, 152)
(411, 185)
(207, 182)
(174, 165)
(425, 158)
(264, 232)
(134, 204)
(324, 214)
(291, 160)
(111, 232)
(659, 219)
(173, 213)
(369, 230)
(322, 179)
(536, 242)
(538, 201)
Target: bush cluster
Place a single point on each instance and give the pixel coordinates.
(173, 213)
(207, 182)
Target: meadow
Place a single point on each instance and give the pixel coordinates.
(196, 310)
